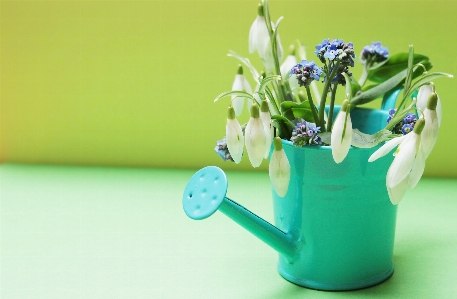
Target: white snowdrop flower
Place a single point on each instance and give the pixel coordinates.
(408, 165)
(429, 134)
(279, 169)
(422, 99)
(396, 193)
(255, 138)
(234, 136)
(259, 40)
(287, 65)
(240, 83)
(341, 135)
(266, 120)
(405, 156)
(386, 148)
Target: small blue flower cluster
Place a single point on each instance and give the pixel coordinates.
(374, 53)
(405, 126)
(306, 72)
(336, 49)
(306, 133)
(339, 78)
(222, 150)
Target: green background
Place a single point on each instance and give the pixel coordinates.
(132, 83)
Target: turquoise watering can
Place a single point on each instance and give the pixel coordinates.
(335, 227)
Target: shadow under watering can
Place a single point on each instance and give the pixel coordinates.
(335, 227)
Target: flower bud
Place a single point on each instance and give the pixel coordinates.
(419, 126)
(432, 101)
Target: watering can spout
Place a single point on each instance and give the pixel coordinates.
(205, 194)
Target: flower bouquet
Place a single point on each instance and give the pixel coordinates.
(294, 103)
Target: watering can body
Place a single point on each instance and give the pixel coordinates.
(344, 217)
(335, 227)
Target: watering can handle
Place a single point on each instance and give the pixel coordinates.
(205, 194)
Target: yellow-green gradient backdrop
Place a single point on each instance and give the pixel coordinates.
(132, 82)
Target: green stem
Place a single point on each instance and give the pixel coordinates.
(288, 91)
(266, 13)
(324, 95)
(332, 105)
(289, 95)
(364, 77)
(312, 106)
(273, 102)
(282, 94)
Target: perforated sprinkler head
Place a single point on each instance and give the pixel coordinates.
(204, 192)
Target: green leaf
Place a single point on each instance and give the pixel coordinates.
(326, 137)
(245, 61)
(272, 101)
(293, 110)
(274, 45)
(363, 140)
(426, 79)
(238, 93)
(395, 64)
(352, 86)
(368, 87)
(283, 125)
(409, 73)
(378, 90)
(267, 80)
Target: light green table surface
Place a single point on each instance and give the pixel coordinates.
(84, 232)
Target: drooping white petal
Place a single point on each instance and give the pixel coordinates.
(396, 193)
(404, 160)
(248, 89)
(429, 134)
(266, 120)
(417, 170)
(259, 40)
(266, 53)
(279, 171)
(256, 140)
(262, 37)
(253, 33)
(439, 112)
(341, 144)
(238, 104)
(287, 65)
(245, 85)
(422, 96)
(242, 84)
(386, 148)
(235, 139)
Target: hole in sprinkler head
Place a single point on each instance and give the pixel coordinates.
(190, 195)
